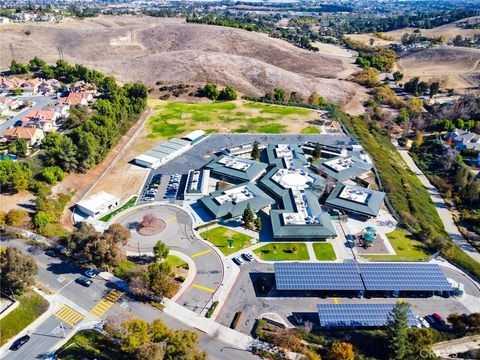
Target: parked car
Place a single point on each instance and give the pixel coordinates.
(438, 318)
(430, 319)
(422, 322)
(248, 256)
(17, 344)
(90, 273)
(83, 280)
(238, 260)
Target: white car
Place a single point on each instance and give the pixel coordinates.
(248, 256)
(238, 260)
(422, 322)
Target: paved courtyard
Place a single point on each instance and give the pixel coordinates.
(178, 235)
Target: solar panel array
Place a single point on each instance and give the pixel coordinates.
(357, 315)
(403, 277)
(318, 276)
(352, 276)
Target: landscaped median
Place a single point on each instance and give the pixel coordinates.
(30, 308)
(128, 204)
(282, 252)
(324, 251)
(220, 237)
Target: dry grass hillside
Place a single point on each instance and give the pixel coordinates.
(448, 30)
(454, 67)
(170, 50)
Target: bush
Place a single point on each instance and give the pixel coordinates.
(212, 309)
(227, 94)
(236, 319)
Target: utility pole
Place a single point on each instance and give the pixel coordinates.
(138, 244)
(11, 52)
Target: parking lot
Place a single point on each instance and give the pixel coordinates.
(246, 298)
(160, 187)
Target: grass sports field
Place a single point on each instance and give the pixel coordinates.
(171, 119)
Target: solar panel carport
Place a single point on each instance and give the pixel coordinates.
(358, 315)
(361, 277)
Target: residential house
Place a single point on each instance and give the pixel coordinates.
(464, 140)
(41, 119)
(77, 98)
(7, 84)
(31, 135)
(9, 104)
(49, 87)
(31, 86)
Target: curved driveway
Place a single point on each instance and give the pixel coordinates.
(179, 236)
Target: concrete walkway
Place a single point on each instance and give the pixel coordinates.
(442, 208)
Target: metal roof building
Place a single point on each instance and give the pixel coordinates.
(233, 201)
(236, 168)
(163, 153)
(356, 199)
(341, 168)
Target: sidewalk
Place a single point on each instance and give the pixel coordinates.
(442, 208)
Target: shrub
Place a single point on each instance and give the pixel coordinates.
(211, 310)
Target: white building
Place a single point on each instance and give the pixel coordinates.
(163, 153)
(98, 204)
(197, 184)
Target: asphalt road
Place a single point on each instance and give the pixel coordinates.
(58, 275)
(39, 102)
(178, 236)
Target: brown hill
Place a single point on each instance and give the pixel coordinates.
(170, 50)
(454, 67)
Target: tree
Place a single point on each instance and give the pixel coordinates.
(53, 174)
(18, 147)
(371, 41)
(317, 151)
(341, 351)
(17, 68)
(255, 151)
(210, 91)
(136, 334)
(16, 217)
(367, 77)
(36, 64)
(119, 233)
(295, 98)
(397, 76)
(67, 154)
(160, 281)
(258, 223)
(397, 331)
(419, 340)
(42, 219)
(228, 93)
(434, 88)
(279, 95)
(160, 250)
(294, 249)
(151, 351)
(313, 98)
(248, 217)
(17, 270)
(148, 220)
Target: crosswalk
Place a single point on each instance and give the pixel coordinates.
(106, 303)
(68, 315)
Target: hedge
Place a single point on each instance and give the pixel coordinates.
(236, 319)
(211, 310)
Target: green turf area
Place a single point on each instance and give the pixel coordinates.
(90, 344)
(176, 262)
(277, 109)
(175, 118)
(30, 308)
(311, 130)
(218, 236)
(125, 268)
(324, 251)
(283, 251)
(128, 204)
(406, 247)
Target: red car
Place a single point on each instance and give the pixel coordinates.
(438, 318)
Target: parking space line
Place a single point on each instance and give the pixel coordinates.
(201, 253)
(68, 315)
(171, 219)
(106, 303)
(203, 288)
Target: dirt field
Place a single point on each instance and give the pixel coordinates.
(449, 31)
(172, 51)
(454, 67)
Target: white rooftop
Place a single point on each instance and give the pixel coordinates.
(355, 194)
(236, 195)
(195, 134)
(293, 178)
(339, 164)
(283, 150)
(303, 215)
(99, 202)
(235, 163)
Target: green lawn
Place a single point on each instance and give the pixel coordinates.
(311, 130)
(324, 251)
(174, 118)
(90, 344)
(128, 204)
(218, 236)
(176, 262)
(283, 251)
(31, 307)
(125, 268)
(406, 247)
